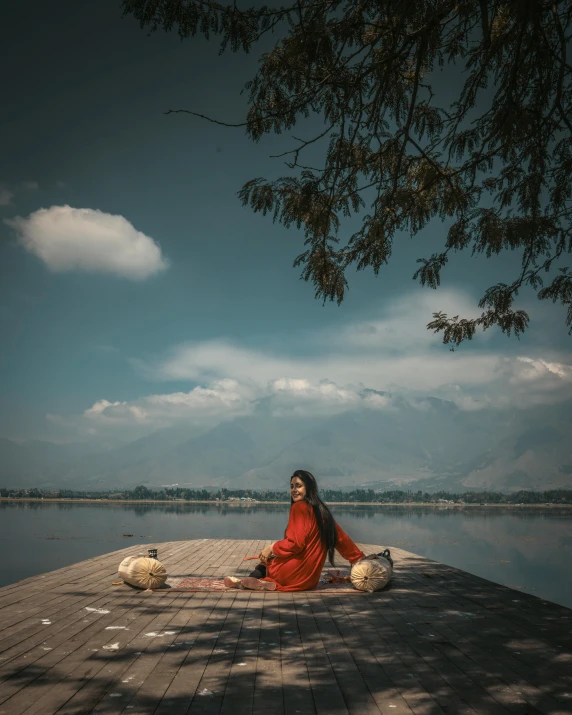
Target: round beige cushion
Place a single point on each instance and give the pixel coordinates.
(371, 575)
(143, 572)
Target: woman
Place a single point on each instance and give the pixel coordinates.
(295, 563)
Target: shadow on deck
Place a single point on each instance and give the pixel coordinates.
(437, 641)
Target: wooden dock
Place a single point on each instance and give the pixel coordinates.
(438, 640)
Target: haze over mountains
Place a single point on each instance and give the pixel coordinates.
(424, 443)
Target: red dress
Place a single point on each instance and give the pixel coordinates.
(300, 555)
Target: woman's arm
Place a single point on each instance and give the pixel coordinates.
(296, 534)
(346, 547)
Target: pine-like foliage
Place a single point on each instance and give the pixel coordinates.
(495, 163)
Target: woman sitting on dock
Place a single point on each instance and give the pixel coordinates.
(295, 563)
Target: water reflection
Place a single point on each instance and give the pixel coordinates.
(525, 548)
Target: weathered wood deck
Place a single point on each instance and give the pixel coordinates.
(438, 640)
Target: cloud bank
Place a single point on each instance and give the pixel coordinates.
(518, 383)
(70, 239)
(372, 365)
(223, 400)
(392, 348)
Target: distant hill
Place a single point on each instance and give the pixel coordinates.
(429, 445)
(34, 460)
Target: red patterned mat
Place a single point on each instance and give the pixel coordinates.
(217, 584)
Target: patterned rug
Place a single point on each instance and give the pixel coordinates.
(176, 585)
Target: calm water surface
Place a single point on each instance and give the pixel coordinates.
(526, 549)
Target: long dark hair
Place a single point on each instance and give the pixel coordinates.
(324, 518)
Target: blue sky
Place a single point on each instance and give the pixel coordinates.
(164, 285)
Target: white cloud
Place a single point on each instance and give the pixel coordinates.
(551, 375)
(375, 401)
(201, 362)
(303, 397)
(5, 197)
(518, 382)
(221, 398)
(116, 411)
(534, 381)
(68, 239)
(210, 404)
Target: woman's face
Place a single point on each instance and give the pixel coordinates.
(297, 489)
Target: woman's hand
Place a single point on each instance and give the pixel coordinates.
(266, 554)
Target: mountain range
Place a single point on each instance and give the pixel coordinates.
(427, 444)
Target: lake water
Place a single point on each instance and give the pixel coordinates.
(528, 549)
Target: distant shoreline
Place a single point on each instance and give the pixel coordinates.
(281, 503)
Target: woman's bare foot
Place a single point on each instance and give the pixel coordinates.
(231, 582)
(255, 584)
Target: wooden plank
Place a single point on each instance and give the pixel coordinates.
(502, 637)
(219, 666)
(528, 643)
(409, 683)
(71, 573)
(298, 696)
(129, 680)
(487, 667)
(188, 689)
(468, 690)
(239, 692)
(147, 690)
(52, 590)
(33, 632)
(268, 697)
(86, 677)
(324, 686)
(441, 650)
(68, 652)
(356, 694)
(55, 607)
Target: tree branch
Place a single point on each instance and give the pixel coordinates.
(202, 116)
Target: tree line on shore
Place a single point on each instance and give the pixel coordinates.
(394, 496)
